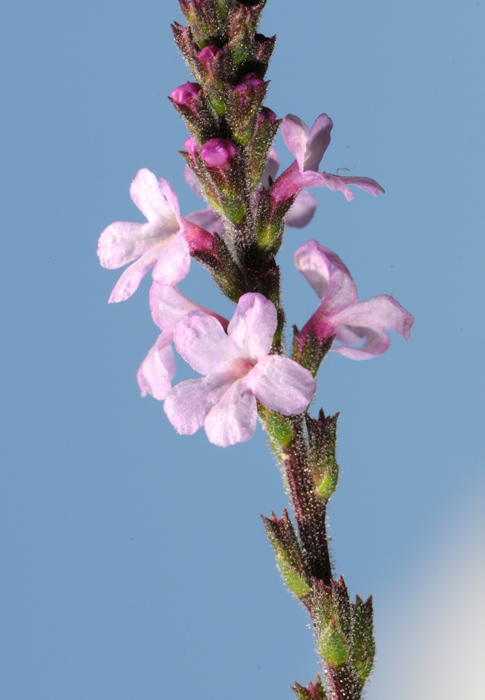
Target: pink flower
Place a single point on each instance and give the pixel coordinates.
(238, 370)
(162, 242)
(308, 146)
(341, 314)
(168, 307)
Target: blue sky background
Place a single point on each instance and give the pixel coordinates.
(134, 563)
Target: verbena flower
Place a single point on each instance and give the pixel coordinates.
(168, 307)
(163, 242)
(341, 314)
(308, 146)
(238, 369)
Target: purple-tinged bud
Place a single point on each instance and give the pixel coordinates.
(208, 54)
(217, 153)
(249, 82)
(186, 94)
(266, 115)
(191, 146)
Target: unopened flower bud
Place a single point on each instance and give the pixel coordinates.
(217, 153)
(208, 54)
(248, 82)
(186, 94)
(266, 115)
(191, 145)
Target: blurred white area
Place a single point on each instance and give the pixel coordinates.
(434, 647)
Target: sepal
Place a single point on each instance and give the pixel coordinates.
(363, 645)
(309, 350)
(332, 613)
(322, 439)
(313, 691)
(288, 552)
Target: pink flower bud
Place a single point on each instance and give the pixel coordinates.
(185, 94)
(208, 54)
(191, 145)
(217, 153)
(266, 114)
(249, 82)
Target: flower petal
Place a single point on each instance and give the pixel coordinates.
(376, 343)
(209, 220)
(124, 241)
(188, 403)
(370, 319)
(193, 182)
(318, 141)
(365, 183)
(202, 342)
(157, 369)
(168, 305)
(233, 418)
(253, 325)
(295, 134)
(314, 266)
(130, 280)
(173, 261)
(282, 384)
(151, 199)
(302, 210)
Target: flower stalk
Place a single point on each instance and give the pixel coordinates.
(245, 374)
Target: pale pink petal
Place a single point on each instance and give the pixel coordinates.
(318, 141)
(253, 325)
(173, 260)
(188, 403)
(336, 184)
(314, 266)
(302, 210)
(130, 280)
(171, 212)
(146, 194)
(271, 168)
(202, 342)
(193, 182)
(282, 384)
(295, 134)
(168, 305)
(376, 342)
(233, 418)
(157, 369)
(365, 183)
(382, 311)
(209, 220)
(123, 241)
(332, 284)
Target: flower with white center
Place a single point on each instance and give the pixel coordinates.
(238, 369)
(341, 314)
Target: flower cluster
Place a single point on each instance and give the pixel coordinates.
(232, 165)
